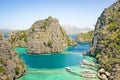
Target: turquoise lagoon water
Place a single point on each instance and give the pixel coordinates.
(52, 66)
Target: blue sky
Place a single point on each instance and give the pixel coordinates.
(21, 14)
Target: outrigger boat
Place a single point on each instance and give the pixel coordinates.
(68, 69)
(84, 62)
(89, 75)
(84, 53)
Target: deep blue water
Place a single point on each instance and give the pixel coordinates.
(81, 47)
(51, 61)
(55, 60)
(5, 35)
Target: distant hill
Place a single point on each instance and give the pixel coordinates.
(85, 37)
(71, 29)
(5, 30)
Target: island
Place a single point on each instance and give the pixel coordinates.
(44, 36)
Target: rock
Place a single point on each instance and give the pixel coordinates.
(115, 72)
(46, 36)
(103, 77)
(11, 66)
(103, 74)
(102, 70)
(107, 74)
(106, 41)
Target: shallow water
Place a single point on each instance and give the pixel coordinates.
(51, 66)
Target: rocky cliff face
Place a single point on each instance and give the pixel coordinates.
(84, 37)
(45, 36)
(106, 41)
(11, 66)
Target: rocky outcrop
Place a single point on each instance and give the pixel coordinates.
(106, 41)
(102, 74)
(84, 37)
(45, 36)
(11, 67)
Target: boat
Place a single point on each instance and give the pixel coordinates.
(83, 66)
(87, 71)
(84, 62)
(84, 53)
(88, 75)
(68, 69)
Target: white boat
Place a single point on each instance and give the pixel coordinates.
(89, 75)
(68, 69)
(84, 53)
(87, 71)
(84, 62)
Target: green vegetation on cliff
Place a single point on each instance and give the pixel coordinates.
(2, 70)
(1, 36)
(18, 38)
(84, 37)
(17, 69)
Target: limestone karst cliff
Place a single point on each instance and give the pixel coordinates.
(11, 67)
(106, 41)
(44, 36)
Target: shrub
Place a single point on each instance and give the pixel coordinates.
(17, 69)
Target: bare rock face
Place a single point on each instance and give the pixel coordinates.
(115, 75)
(103, 74)
(47, 36)
(106, 41)
(11, 67)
